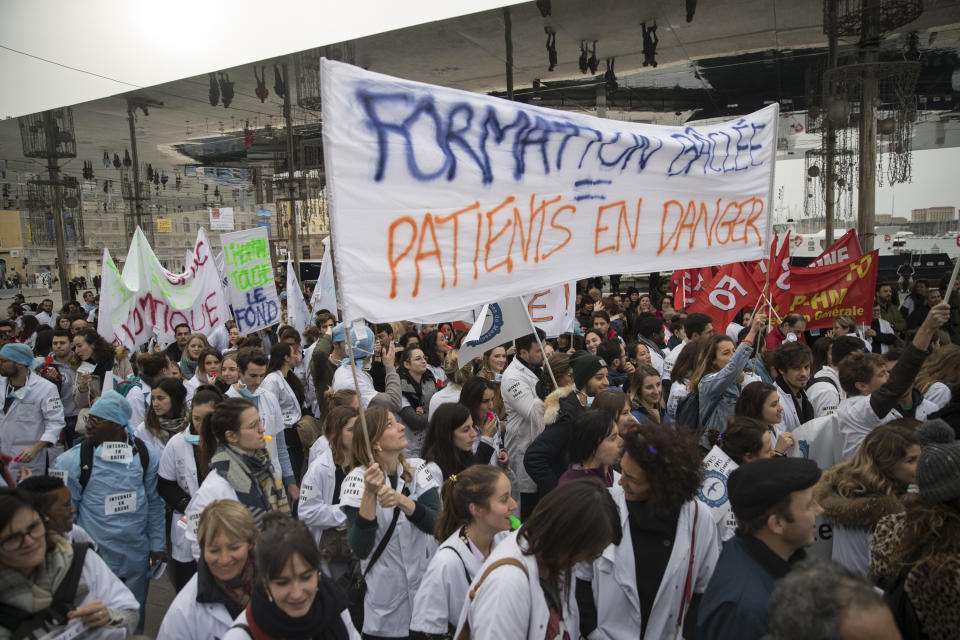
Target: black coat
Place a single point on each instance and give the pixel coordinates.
(547, 457)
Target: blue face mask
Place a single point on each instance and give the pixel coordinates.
(245, 392)
(589, 400)
(497, 377)
(192, 439)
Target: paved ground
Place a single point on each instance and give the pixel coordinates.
(160, 596)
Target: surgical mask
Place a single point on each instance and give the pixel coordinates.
(192, 439)
(791, 337)
(20, 393)
(589, 400)
(246, 393)
(497, 377)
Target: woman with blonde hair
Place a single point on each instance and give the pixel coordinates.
(391, 503)
(196, 343)
(210, 601)
(857, 493)
(646, 395)
(939, 372)
(492, 365)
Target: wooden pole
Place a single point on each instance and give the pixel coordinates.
(356, 387)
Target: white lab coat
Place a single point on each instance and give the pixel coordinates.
(187, 619)
(393, 581)
(519, 390)
(290, 410)
(343, 379)
(191, 386)
(147, 436)
(139, 399)
(316, 507)
(938, 394)
(311, 389)
(510, 604)
(443, 589)
(177, 463)
(824, 396)
(270, 416)
(671, 359)
(615, 581)
(790, 420)
(238, 633)
(214, 487)
(39, 416)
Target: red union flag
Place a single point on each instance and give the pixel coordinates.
(732, 289)
(686, 285)
(824, 293)
(847, 247)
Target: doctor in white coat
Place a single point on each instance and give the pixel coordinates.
(667, 533)
(203, 609)
(477, 506)
(525, 587)
(389, 488)
(32, 414)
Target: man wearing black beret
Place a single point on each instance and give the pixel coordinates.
(776, 515)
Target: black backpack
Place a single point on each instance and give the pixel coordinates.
(688, 412)
(24, 624)
(86, 460)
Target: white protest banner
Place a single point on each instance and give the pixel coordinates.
(441, 199)
(146, 299)
(221, 218)
(325, 291)
(554, 310)
(252, 290)
(298, 315)
(497, 323)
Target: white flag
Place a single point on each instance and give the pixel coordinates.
(324, 291)
(298, 315)
(497, 323)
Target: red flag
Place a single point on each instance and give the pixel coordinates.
(686, 285)
(732, 289)
(824, 293)
(847, 247)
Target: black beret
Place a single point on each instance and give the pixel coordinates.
(759, 485)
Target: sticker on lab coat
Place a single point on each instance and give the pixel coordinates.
(58, 473)
(74, 629)
(116, 452)
(53, 404)
(125, 502)
(289, 417)
(352, 490)
(308, 492)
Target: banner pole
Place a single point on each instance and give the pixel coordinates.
(953, 280)
(546, 361)
(773, 164)
(356, 387)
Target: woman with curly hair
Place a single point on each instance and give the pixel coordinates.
(97, 358)
(939, 372)
(923, 543)
(669, 546)
(856, 494)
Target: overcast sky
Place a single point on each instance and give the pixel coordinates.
(935, 174)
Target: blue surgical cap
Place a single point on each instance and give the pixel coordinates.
(113, 407)
(18, 352)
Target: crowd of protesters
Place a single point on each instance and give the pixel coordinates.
(643, 475)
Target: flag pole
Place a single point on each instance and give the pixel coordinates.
(546, 361)
(356, 387)
(953, 281)
(773, 161)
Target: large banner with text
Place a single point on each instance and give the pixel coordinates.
(146, 300)
(443, 199)
(823, 293)
(248, 271)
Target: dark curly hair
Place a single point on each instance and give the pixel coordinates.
(671, 460)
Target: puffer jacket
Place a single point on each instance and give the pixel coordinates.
(547, 456)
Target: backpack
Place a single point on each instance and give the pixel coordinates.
(24, 625)
(465, 631)
(896, 596)
(123, 386)
(86, 460)
(814, 381)
(688, 412)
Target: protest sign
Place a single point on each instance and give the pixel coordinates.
(325, 291)
(717, 467)
(251, 288)
(147, 300)
(298, 315)
(441, 199)
(221, 218)
(824, 293)
(847, 247)
(497, 323)
(554, 310)
(732, 289)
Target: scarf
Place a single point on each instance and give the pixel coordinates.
(35, 592)
(418, 394)
(187, 366)
(212, 590)
(321, 622)
(251, 476)
(165, 428)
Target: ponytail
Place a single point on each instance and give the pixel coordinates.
(474, 485)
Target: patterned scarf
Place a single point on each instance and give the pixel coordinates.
(35, 592)
(252, 477)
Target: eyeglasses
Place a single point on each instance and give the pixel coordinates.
(15, 541)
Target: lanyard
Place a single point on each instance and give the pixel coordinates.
(688, 583)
